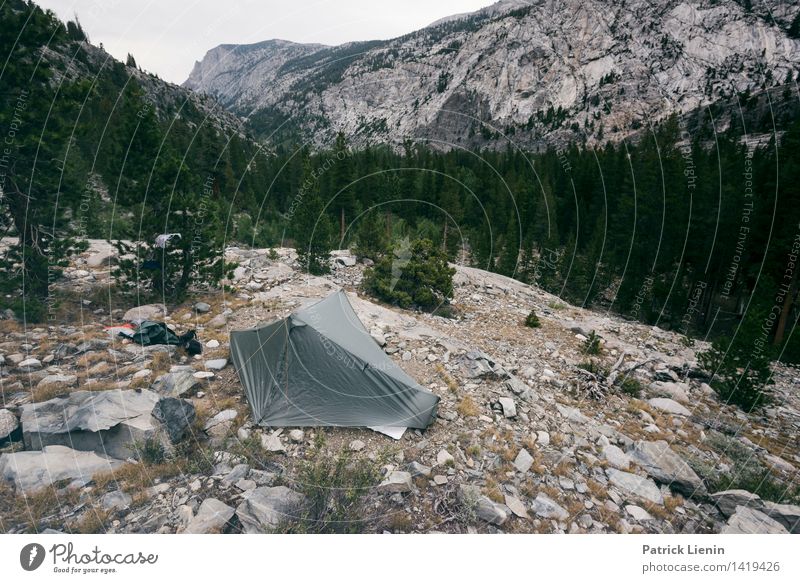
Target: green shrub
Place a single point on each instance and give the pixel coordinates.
(412, 275)
(592, 344)
(532, 320)
(335, 485)
(741, 375)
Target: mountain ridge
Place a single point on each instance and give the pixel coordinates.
(543, 74)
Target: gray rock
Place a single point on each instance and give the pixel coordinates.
(202, 308)
(667, 467)
(676, 391)
(297, 435)
(9, 426)
(396, 481)
(238, 472)
(176, 384)
(265, 508)
(218, 321)
(212, 516)
(356, 445)
(751, 521)
(116, 500)
(108, 422)
(146, 312)
(728, 500)
(221, 423)
(509, 408)
(545, 507)
(616, 457)
(272, 442)
(786, 514)
(444, 458)
(484, 508)
(59, 380)
(636, 486)
(102, 259)
(33, 470)
(523, 461)
(217, 364)
(669, 406)
(175, 415)
(516, 506)
(29, 365)
(417, 469)
(638, 513)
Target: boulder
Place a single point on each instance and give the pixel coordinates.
(636, 486)
(221, 423)
(212, 516)
(116, 500)
(218, 321)
(202, 308)
(484, 508)
(666, 467)
(29, 365)
(516, 506)
(175, 416)
(669, 406)
(102, 259)
(509, 408)
(176, 384)
(616, 457)
(545, 507)
(728, 500)
(33, 470)
(9, 426)
(786, 514)
(107, 422)
(523, 461)
(216, 364)
(64, 381)
(417, 469)
(396, 481)
(750, 521)
(146, 312)
(265, 508)
(272, 442)
(676, 391)
(638, 513)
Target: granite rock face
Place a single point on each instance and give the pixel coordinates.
(604, 65)
(106, 422)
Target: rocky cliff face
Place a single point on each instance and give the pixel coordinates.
(532, 73)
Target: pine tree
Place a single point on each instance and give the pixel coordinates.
(311, 226)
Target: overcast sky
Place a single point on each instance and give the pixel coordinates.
(167, 36)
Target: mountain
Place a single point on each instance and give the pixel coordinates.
(541, 72)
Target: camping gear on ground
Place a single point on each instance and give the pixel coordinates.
(149, 333)
(320, 367)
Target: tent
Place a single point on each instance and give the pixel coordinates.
(320, 366)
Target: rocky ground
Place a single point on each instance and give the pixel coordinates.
(98, 434)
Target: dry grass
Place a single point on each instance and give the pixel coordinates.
(399, 522)
(161, 362)
(467, 407)
(30, 510)
(139, 383)
(10, 326)
(666, 511)
(92, 358)
(92, 521)
(597, 489)
(101, 368)
(448, 379)
(564, 469)
(492, 491)
(137, 477)
(474, 450)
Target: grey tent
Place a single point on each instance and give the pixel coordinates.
(320, 366)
